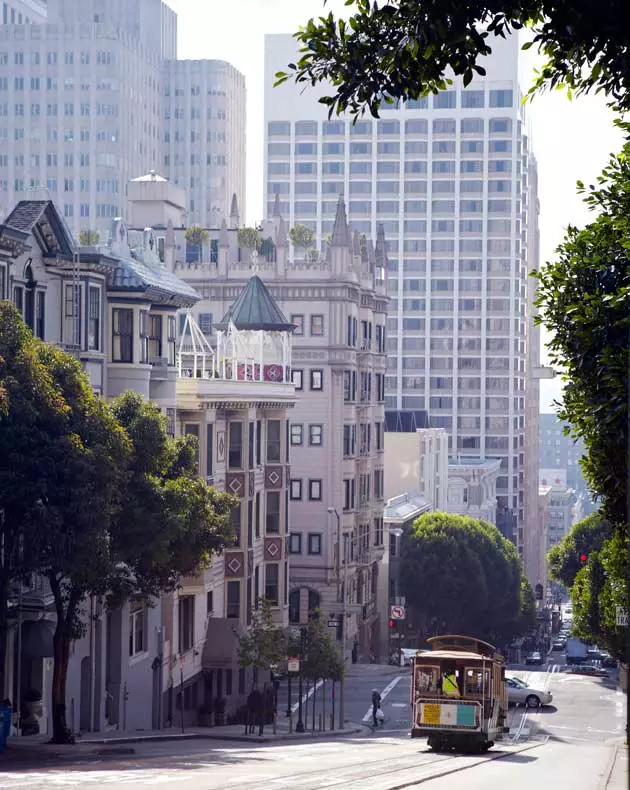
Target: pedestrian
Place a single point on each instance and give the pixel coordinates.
(254, 711)
(376, 706)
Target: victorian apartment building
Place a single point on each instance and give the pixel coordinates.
(337, 304)
(115, 308)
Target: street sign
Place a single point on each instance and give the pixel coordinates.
(397, 612)
(293, 664)
(333, 623)
(622, 616)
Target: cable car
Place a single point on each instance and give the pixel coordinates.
(458, 694)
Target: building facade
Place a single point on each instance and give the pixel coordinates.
(204, 135)
(114, 309)
(449, 178)
(338, 305)
(22, 12)
(561, 513)
(93, 94)
(561, 452)
(472, 489)
(417, 462)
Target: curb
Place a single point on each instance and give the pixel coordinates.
(610, 766)
(195, 736)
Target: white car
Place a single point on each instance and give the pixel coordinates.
(519, 693)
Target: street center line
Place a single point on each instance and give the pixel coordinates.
(384, 693)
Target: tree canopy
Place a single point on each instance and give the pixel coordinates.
(404, 49)
(96, 498)
(302, 236)
(598, 591)
(460, 575)
(265, 644)
(583, 301)
(584, 538)
(249, 239)
(89, 237)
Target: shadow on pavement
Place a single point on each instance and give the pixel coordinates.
(517, 758)
(544, 709)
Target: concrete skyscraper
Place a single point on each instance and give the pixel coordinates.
(91, 94)
(449, 178)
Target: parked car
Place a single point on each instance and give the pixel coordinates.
(609, 662)
(595, 654)
(519, 693)
(534, 658)
(586, 669)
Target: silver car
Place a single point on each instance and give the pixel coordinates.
(519, 693)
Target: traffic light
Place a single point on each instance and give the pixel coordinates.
(583, 558)
(392, 624)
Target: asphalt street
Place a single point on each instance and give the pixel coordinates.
(394, 689)
(569, 744)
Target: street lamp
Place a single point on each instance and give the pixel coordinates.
(344, 610)
(397, 533)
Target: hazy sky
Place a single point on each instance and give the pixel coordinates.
(571, 139)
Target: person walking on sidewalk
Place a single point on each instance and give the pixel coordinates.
(376, 706)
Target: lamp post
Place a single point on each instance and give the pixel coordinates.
(397, 533)
(344, 610)
(299, 727)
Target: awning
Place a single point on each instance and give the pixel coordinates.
(220, 649)
(37, 638)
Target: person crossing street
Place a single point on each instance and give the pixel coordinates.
(376, 707)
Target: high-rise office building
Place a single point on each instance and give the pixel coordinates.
(448, 177)
(204, 135)
(92, 95)
(22, 12)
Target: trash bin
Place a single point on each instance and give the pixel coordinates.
(6, 720)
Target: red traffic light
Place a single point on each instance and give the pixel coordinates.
(392, 624)
(583, 557)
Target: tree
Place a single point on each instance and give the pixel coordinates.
(321, 658)
(268, 249)
(33, 420)
(302, 236)
(197, 236)
(597, 592)
(249, 239)
(72, 542)
(265, 644)
(584, 538)
(403, 49)
(171, 522)
(583, 298)
(96, 506)
(527, 621)
(460, 575)
(89, 237)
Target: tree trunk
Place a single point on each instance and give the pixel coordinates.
(61, 648)
(66, 613)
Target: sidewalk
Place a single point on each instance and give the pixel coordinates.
(618, 777)
(37, 750)
(374, 670)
